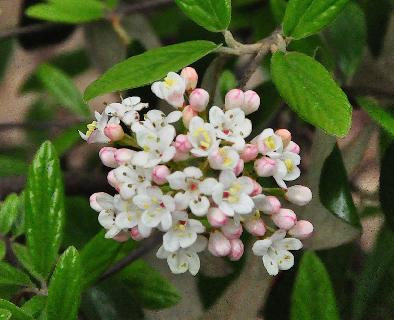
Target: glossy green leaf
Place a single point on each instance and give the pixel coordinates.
(23, 256)
(149, 287)
(44, 207)
(311, 92)
(8, 212)
(306, 17)
(386, 189)
(347, 38)
(68, 138)
(278, 9)
(313, 281)
(67, 11)
(65, 287)
(5, 314)
(35, 306)
(6, 49)
(213, 15)
(93, 264)
(3, 249)
(17, 313)
(9, 166)
(152, 65)
(63, 89)
(12, 276)
(378, 114)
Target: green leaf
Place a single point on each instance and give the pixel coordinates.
(3, 249)
(378, 114)
(278, 9)
(149, 287)
(213, 15)
(65, 287)
(17, 313)
(63, 89)
(311, 92)
(150, 66)
(35, 306)
(386, 189)
(5, 314)
(313, 281)
(68, 138)
(306, 17)
(12, 276)
(8, 212)
(23, 256)
(9, 166)
(44, 205)
(67, 11)
(93, 264)
(6, 49)
(347, 38)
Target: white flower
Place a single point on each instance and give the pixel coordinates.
(190, 181)
(105, 204)
(275, 251)
(127, 111)
(184, 259)
(287, 168)
(171, 89)
(95, 133)
(182, 234)
(231, 194)
(156, 119)
(202, 136)
(225, 158)
(132, 179)
(156, 145)
(156, 208)
(269, 143)
(231, 126)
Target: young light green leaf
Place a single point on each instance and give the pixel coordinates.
(347, 38)
(3, 249)
(12, 276)
(312, 278)
(213, 15)
(152, 65)
(17, 313)
(93, 264)
(9, 166)
(63, 89)
(67, 11)
(8, 212)
(5, 314)
(35, 306)
(386, 189)
(23, 256)
(44, 209)
(306, 17)
(378, 114)
(65, 288)
(311, 92)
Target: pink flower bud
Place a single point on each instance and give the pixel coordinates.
(249, 152)
(123, 156)
(114, 131)
(191, 77)
(251, 103)
(293, 147)
(239, 167)
(232, 230)
(237, 249)
(285, 136)
(257, 188)
(255, 226)
(160, 174)
(113, 182)
(234, 99)
(121, 237)
(265, 167)
(135, 234)
(199, 99)
(107, 157)
(216, 217)
(93, 201)
(299, 195)
(187, 114)
(302, 229)
(284, 219)
(182, 143)
(271, 205)
(218, 244)
(180, 156)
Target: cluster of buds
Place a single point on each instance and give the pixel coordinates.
(199, 183)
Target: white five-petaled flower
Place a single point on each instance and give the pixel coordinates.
(171, 89)
(156, 208)
(126, 111)
(231, 194)
(269, 143)
(95, 133)
(202, 137)
(156, 145)
(195, 189)
(275, 251)
(182, 234)
(156, 119)
(287, 168)
(132, 179)
(225, 158)
(184, 259)
(231, 126)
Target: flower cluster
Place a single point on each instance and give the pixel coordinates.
(197, 180)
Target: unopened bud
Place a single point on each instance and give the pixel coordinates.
(299, 195)
(249, 152)
(187, 114)
(284, 219)
(270, 205)
(114, 131)
(257, 188)
(190, 76)
(301, 230)
(255, 226)
(182, 143)
(293, 147)
(216, 217)
(232, 230)
(123, 156)
(93, 201)
(237, 249)
(251, 102)
(265, 167)
(107, 157)
(239, 167)
(135, 234)
(285, 135)
(112, 180)
(160, 174)
(199, 99)
(180, 156)
(218, 244)
(234, 99)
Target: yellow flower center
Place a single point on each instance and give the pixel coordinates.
(168, 82)
(270, 142)
(91, 127)
(205, 139)
(289, 165)
(227, 161)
